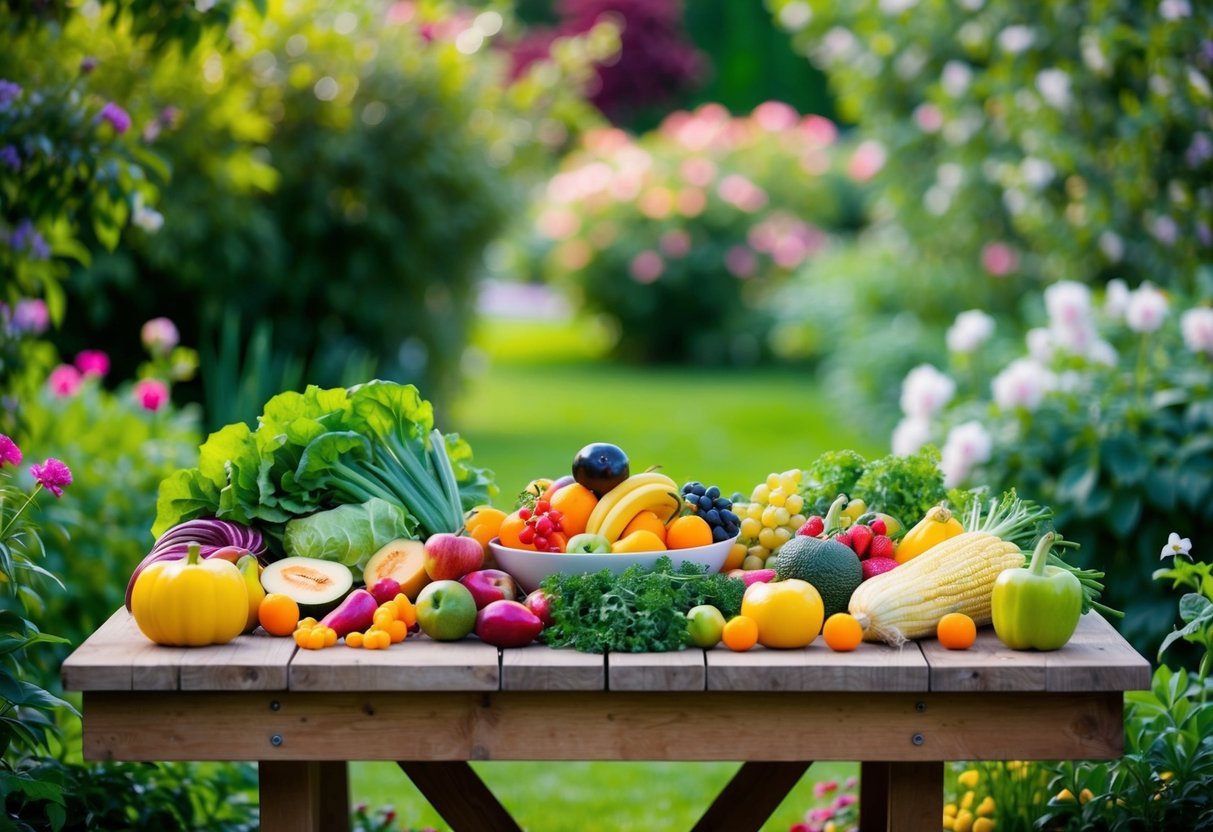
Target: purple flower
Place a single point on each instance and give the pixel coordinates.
(151, 393)
(9, 452)
(92, 363)
(159, 335)
(88, 64)
(843, 801)
(10, 157)
(52, 475)
(8, 93)
(26, 238)
(32, 316)
(64, 380)
(116, 116)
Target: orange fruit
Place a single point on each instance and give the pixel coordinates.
(508, 532)
(645, 521)
(641, 541)
(575, 502)
(956, 631)
(740, 633)
(842, 632)
(688, 532)
(483, 523)
(278, 614)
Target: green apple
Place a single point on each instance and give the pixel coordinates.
(446, 610)
(705, 623)
(588, 544)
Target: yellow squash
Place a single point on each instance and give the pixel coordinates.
(190, 602)
(937, 526)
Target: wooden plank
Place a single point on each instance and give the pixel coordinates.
(915, 796)
(1097, 658)
(606, 725)
(541, 668)
(254, 662)
(870, 667)
(683, 670)
(750, 798)
(874, 796)
(119, 657)
(459, 796)
(290, 796)
(334, 810)
(416, 664)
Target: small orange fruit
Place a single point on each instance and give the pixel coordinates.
(688, 532)
(575, 502)
(641, 541)
(842, 632)
(740, 633)
(508, 532)
(956, 631)
(483, 523)
(278, 614)
(645, 521)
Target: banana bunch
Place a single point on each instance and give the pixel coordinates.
(649, 491)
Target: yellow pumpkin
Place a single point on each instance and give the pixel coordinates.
(190, 602)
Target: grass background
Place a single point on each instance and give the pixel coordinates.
(537, 391)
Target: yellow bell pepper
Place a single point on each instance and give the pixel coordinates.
(190, 602)
(937, 526)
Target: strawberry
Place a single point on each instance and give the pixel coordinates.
(877, 566)
(878, 526)
(880, 547)
(845, 539)
(813, 527)
(861, 538)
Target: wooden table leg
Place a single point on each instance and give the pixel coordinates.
(753, 794)
(915, 796)
(289, 796)
(873, 797)
(334, 807)
(460, 797)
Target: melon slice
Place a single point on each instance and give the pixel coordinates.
(402, 560)
(316, 585)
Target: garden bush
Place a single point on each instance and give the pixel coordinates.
(1047, 141)
(678, 235)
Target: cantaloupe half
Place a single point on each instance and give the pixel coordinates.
(402, 560)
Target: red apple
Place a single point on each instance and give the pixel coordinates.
(385, 589)
(448, 557)
(507, 624)
(539, 603)
(488, 585)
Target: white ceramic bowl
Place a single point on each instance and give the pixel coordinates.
(530, 568)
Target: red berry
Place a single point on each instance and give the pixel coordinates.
(524, 513)
(877, 566)
(845, 539)
(544, 526)
(526, 534)
(878, 526)
(554, 515)
(880, 547)
(543, 507)
(861, 538)
(541, 542)
(812, 527)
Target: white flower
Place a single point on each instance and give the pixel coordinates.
(910, 434)
(149, 219)
(1077, 339)
(1015, 39)
(1023, 383)
(1092, 53)
(925, 390)
(1112, 246)
(1101, 352)
(896, 7)
(1146, 309)
(1037, 173)
(1054, 87)
(1068, 304)
(1197, 328)
(910, 63)
(1176, 546)
(1040, 344)
(967, 445)
(956, 78)
(1174, 9)
(1165, 230)
(970, 330)
(1117, 299)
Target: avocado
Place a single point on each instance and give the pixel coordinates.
(832, 569)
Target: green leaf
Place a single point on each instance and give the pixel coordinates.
(1076, 484)
(1124, 513)
(1124, 459)
(323, 452)
(1193, 605)
(1160, 484)
(184, 495)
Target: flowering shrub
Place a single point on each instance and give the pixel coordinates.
(677, 235)
(835, 809)
(1108, 417)
(1052, 140)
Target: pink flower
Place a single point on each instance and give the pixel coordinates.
(65, 380)
(775, 116)
(999, 259)
(31, 315)
(1197, 328)
(116, 116)
(647, 266)
(698, 171)
(9, 452)
(151, 393)
(741, 261)
(656, 203)
(824, 788)
(819, 130)
(741, 192)
(52, 475)
(866, 161)
(159, 335)
(928, 118)
(691, 202)
(676, 243)
(92, 363)
(843, 801)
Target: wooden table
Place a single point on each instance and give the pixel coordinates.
(432, 707)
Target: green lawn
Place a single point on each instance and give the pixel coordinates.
(537, 392)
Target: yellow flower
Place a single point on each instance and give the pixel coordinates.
(983, 825)
(1166, 776)
(968, 779)
(966, 802)
(986, 807)
(950, 809)
(963, 822)
(1064, 794)
(1085, 795)
(949, 822)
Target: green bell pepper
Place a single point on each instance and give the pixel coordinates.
(1038, 607)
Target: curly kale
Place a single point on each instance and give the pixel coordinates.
(635, 612)
(903, 486)
(831, 474)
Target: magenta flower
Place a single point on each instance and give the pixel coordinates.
(159, 335)
(824, 788)
(93, 363)
(9, 452)
(52, 475)
(65, 380)
(151, 393)
(118, 118)
(999, 259)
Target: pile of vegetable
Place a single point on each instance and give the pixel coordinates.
(331, 473)
(903, 486)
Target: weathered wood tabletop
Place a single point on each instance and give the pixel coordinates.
(302, 714)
